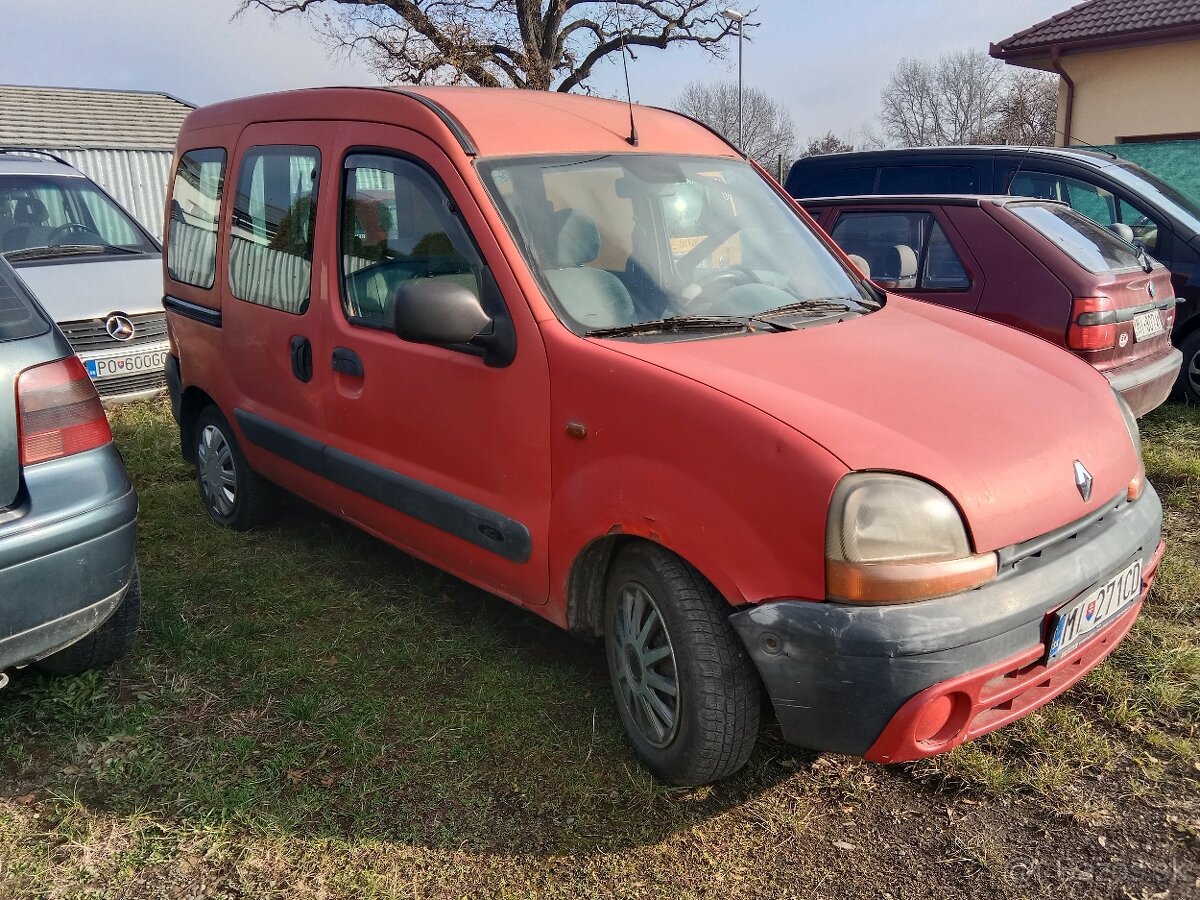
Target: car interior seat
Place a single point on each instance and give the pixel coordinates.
(901, 266)
(29, 229)
(861, 264)
(594, 297)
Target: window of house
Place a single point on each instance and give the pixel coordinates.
(907, 250)
(195, 206)
(274, 216)
(397, 226)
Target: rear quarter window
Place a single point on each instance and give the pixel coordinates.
(839, 183)
(19, 317)
(928, 180)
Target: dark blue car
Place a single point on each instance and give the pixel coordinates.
(70, 597)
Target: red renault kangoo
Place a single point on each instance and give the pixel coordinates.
(618, 378)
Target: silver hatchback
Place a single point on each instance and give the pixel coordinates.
(70, 595)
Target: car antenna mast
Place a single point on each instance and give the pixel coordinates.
(633, 135)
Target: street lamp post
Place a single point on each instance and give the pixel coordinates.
(736, 15)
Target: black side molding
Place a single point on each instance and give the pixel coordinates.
(451, 513)
(193, 311)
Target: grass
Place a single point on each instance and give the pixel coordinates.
(311, 713)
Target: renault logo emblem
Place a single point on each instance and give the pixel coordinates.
(119, 327)
(1083, 481)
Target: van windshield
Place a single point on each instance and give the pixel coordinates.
(60, 215)
(1154, 189)
(634, 238)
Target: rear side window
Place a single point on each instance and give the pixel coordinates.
(397, 226)
(841, 183)
(195, 206)
(1093, 247)
(1093, 201)
(19, 318)
(274, 214)
(908, 250)
(928, 180)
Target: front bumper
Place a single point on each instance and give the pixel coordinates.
(1146, 386)
(66, 553)
(842, 676)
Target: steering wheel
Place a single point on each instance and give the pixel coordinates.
(61, 230)
(714, 284)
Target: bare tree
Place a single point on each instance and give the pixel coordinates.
(1028, 109)
(966, 97)
(767, 130)
(538, 44)
(827, 143)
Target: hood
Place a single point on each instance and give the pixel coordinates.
(993, 416)
(93, 288)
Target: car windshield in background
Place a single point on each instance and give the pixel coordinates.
(19, 317)
(60, 215)
(638, 238)
(1153, 188)
(1093, 247)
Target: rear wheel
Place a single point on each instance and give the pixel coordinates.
(687, 693)
(106, 644)
(233, 495)
(1189, 375)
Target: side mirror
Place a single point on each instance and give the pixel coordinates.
(433, 311)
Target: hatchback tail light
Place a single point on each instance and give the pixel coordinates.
(1093, 324)
(60, 412)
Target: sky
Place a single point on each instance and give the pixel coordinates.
(826, 62)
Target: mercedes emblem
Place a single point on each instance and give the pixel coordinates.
(119, 327)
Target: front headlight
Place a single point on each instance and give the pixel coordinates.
(1138, 483)
(894, 539)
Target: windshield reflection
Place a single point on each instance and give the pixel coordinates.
(636, 238)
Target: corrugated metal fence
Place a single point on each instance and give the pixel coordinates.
(136, 178)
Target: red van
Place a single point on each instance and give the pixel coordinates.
(620, 379)
(1034, 264)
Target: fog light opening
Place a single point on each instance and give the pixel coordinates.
(942, 719)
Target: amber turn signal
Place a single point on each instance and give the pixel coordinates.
(906, 582)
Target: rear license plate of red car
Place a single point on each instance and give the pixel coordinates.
(1078, 620)
(1147, 324)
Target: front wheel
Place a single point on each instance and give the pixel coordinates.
(687, 693)
(1189, 374)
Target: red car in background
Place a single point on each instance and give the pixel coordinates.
(1036, 265)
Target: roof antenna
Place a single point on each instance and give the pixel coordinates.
(633, 137)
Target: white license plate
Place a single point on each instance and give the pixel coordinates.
(1077, 620)
(133, 364)
(1147, 324)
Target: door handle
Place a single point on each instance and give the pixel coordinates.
(347, 362)
(302, 366)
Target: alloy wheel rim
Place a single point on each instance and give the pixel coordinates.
(1194, 373)
(214, 459)
(644, 661)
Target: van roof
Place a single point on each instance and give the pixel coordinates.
(923, 200)
(482, 121)
(1090, 157)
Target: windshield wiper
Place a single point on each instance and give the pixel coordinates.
(53, 250)
(675, 324)
(1142, 255)
(819, 305)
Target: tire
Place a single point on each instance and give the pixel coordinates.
(666, 628)
(1188, 385)
(234, 496)
(106, 644)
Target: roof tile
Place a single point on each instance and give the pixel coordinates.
(1103, 19)
(63, 118)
